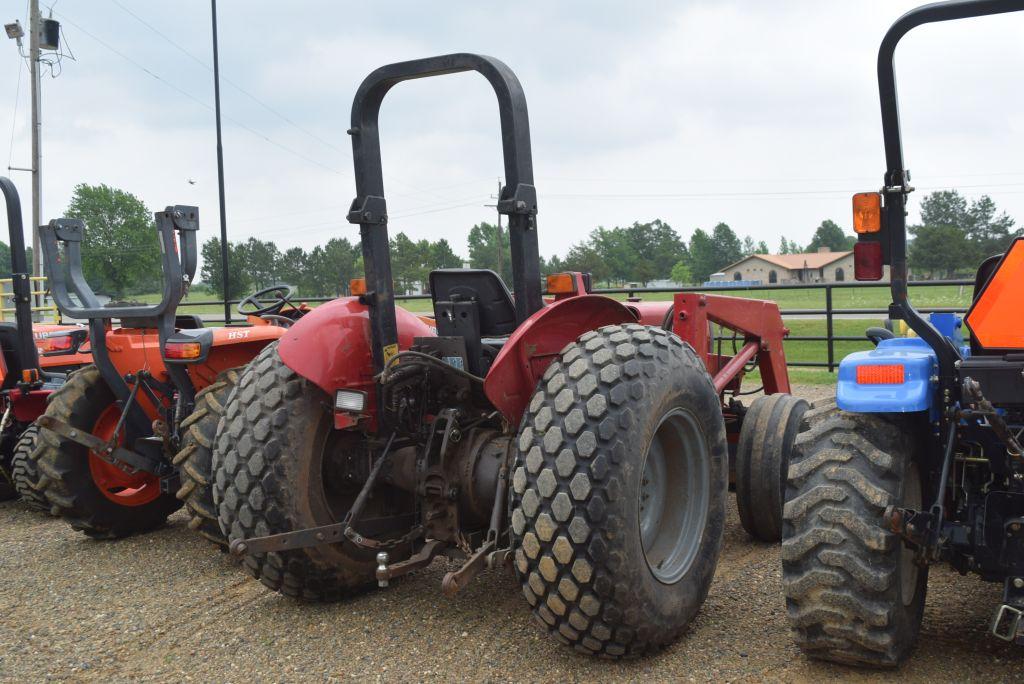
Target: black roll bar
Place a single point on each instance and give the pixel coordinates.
(518, 200)
(20, 277)
(897, 177)
(179, 260)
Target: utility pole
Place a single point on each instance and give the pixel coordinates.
(34, 28)
(501, 251)
(220, 172)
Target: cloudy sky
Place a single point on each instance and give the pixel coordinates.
(762, 115)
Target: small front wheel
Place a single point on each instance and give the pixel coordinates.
(618, 492)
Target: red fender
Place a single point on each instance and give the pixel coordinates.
(330, 346)
(535, 344)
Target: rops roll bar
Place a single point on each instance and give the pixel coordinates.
(21, 285)
(518, 200)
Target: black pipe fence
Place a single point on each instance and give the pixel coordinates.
(829, 313)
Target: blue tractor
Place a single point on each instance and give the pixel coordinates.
(919, 459)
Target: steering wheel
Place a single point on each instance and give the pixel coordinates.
(258, 304)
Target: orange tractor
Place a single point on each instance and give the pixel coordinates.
(127, 439)
(29, 368)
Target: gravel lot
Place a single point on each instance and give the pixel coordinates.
(166, 606)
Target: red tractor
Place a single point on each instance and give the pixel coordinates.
(570, 438)
(31, 361)
(123, 436)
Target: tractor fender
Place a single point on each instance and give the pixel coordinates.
(916, 392)
(538, 341)
(330, 346)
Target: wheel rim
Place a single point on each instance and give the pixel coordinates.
(673, 496)
(909, 569)
(124, 489)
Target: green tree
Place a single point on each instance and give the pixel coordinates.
(748, 246)
(213, 276)
(937, 249)
(583, 257)
(762, 248)
(261, 259)
(703, 257)
(486, 251)
(121, 252)
(680, 273)
(727, 245)
(443, 256)
(830, 234)
(407, 263)
(985, 230)
(291, 266)
(657, 248)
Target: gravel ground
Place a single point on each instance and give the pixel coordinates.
(166, 606)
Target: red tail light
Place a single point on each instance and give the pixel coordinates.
(55, 343)
(890, 374)
(182, 350)
(867, 261)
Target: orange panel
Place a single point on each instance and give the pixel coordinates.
(996, 319)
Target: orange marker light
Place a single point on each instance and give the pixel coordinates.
(357, 286)
(183, 350)
(561, 283)
(891, 374)
(867, 212)
(55, 343)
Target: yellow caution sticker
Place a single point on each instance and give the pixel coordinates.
(389, 353)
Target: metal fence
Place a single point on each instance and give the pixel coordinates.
(828, 313)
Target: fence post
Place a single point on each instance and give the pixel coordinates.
(828, 329)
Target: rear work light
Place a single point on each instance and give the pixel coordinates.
(353, 401)
(867, 212)
(889, 374)
(867, 261)
(183, 350)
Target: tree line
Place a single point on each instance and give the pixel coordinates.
(121, 253)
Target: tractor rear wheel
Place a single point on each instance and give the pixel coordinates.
(853, 592)
(25, 473)
(279, 466)
(762, 456)
(95, 496)
(618, 491)
(194, 459)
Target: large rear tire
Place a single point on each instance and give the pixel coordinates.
(94, 496)
(25, 473)
(194, 459)
(762, 457)
(279, 466)
(853, 592)
(618, 491)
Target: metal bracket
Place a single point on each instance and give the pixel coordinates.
(369, 209)
(522, 200)
(1009, 633)
(115, 455)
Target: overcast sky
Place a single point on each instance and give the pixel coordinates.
(762, 115)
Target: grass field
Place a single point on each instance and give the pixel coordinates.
(788, 300)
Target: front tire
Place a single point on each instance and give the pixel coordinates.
(94, 496)
(766, 441)
(618, 491)
(25, 473)
(853, 592)
(194, 459)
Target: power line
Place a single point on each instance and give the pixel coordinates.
(198, 101)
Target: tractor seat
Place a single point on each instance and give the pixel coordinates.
(12, 354)
(495, 309)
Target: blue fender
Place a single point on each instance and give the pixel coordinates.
(917, 391)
